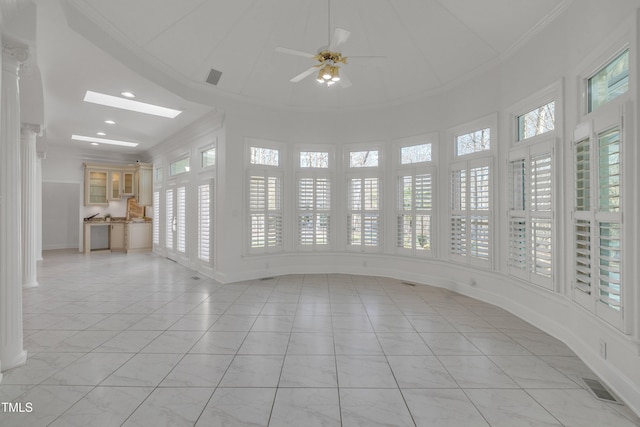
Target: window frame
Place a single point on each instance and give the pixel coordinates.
(266, 171)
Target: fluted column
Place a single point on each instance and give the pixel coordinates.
(11, 346)
(41, 156)
(28, 159)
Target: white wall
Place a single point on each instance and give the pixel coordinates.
(60, 215)
(555, 56)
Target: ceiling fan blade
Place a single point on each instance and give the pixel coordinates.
(294, 52)
(304, 74)
(340, 36)
(368, 60)
(344, 80)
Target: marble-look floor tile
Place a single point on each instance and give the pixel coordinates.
(510, 408)
(309, 371)
(541, 344)
(128, 342)
(194, 322)
(44, 340)
(403, 344)
(311, 343)
(48, 402)
(365, 371)
(219, 343)
(420, 372)
(173, 342)
(245, 309)
(90, 369)
(351, 324)
(253, 371)
(532, 372)
(373, 408)
(496, 343)
(396, 324)
(449, 344)
(362, 343)
(578, 408)
(155, 322)
(117, 322)
(9, 392)
(313, 309)
(144, 369)
(442, 408)
(103, 407)
(476, 372)
(312, 324)
(273, 324)
(430, 323)
(198, 370)
(571, 366)
(249, 407)
(233, 323)
(170, 407)
(265, 343)
(83, 341)
(309, 407)
(39, 367)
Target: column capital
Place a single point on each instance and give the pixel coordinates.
(30, 128)
(16, 52)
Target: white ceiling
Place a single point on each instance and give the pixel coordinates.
(429, 45)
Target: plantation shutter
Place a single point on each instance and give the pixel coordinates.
(204, 222)
(156, 218)
(181, 207)
(169, 218)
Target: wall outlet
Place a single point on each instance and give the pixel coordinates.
(603, 349)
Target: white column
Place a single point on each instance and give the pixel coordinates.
(41, 156)
(12, 353)
(28, 159)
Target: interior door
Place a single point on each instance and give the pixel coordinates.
(176, 226)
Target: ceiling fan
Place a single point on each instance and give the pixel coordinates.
(329, 59)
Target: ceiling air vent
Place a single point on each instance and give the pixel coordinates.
(214, 77)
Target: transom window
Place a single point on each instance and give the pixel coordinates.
(415, 154)
(473, 142)
(537, 121)
(179, 166)
(363, 159)
(609, 82)
(208, 157)
(264, 156)
(314, 159)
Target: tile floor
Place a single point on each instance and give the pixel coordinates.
(135, 340)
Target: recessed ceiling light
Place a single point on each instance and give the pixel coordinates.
(130, 105)
(110, 122)
(94, 143)
(104, 141)
(127, 94)
(100, 133)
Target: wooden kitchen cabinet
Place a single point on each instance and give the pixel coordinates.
(115, 185)
(144, 184)
(138, 236)
(95, 186)
(128, 183)
(116, 237)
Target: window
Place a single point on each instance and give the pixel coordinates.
(265, 196)
(156, 218)
(179, 166)
(597, 226)
(265, 209)
(314, 159)
(609, 82)
(363, 159)
(181, 219)
(313, 214)
(473, 142)
(470, 212)
(264, 156)
(414, 211)
(314, 205)
(170, 219)
(530, 214)
(158, 174)
(205, 223)
(208, 157)
(537, 121)
(415, 154)
(363, 218)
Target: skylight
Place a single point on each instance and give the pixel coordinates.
(130, 105)
(104, 141)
